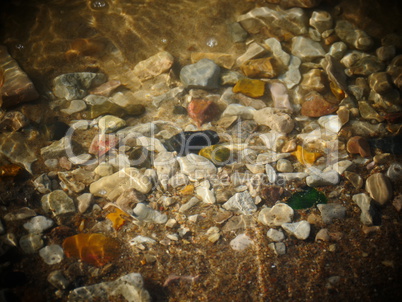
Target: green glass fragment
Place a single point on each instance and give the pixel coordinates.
(306, 199)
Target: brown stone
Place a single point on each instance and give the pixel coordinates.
(380, 82)
(222, 59)
(314, 80)
(202, 111)
(315, 105)
(262, 68)
(358, 145)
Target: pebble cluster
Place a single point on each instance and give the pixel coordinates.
(314, 104)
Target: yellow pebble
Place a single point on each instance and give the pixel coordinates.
(249, 87)
(306, 157)
(187, 190)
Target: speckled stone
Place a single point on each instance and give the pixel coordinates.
(72, 86)
(379, 187)
(38, 224)
(331, 211)
(242, 203)
(57, 203)
(52, 254)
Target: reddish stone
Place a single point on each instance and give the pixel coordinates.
(102, 143)
(358, 145)
(202, 111)
(106, 88)
(65, 163)
(315, 105)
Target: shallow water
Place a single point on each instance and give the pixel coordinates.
(49, 38)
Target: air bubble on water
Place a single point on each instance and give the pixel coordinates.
(212, 42)
(164, 40)
(19, 46)
(98, 4)
(102, 192)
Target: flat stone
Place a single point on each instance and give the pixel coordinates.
(249, 87)
(241, 242)
(341, 166)
(72, 86)
(331, 123)
(276, 216)
(189, 204)
(74, 107)
(306, 49)
(253, 51)
(380, 82)
(98, 105)
(59, 148)
(84, 202)
(147, 214)
(331, 211)
(153, 66)
(38, 224)
(275, 235)
(203, 74)
(222, 59)
(166, 166)
(58, 280)
(280, 96)
(338, 50)
(19, 214)
(321, 21)
(275, 47)
(130, 286)
(104, 169)
(245, 112)
(292, 76)
(242, 203)
(364, 203)
(114, 185)
(196, 166)
(277, 22)
(297, 3)
(330, 178)
(110, 123)
(355, 179)
(237, 32)
(57, 203)
(274, 119)
(202, 111)
(352, 36)
(358, 145)
(17, 87)
(31, 243)
(365, 66)
(105, 89)
(367, 112)
(206, 195)
(102, 143)
(314, 79)
(336, 72)
(301, 229)
(379, 187)
(52, 254)
(284, 165)
(268, 67)
(315, 105)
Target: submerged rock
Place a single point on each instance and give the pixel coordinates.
(242, 203)
(276, 216)
(72, 86)
(153, 66)
(203, 74)
(191, 141)
(379, 187)
(352, 36)
(301, 229)
(202, 111)
(262, 68)
(306, 49)
(17, 87)
(276, 119)
(130, 286)
(331, 211)
(315, 105)
(196, 166)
